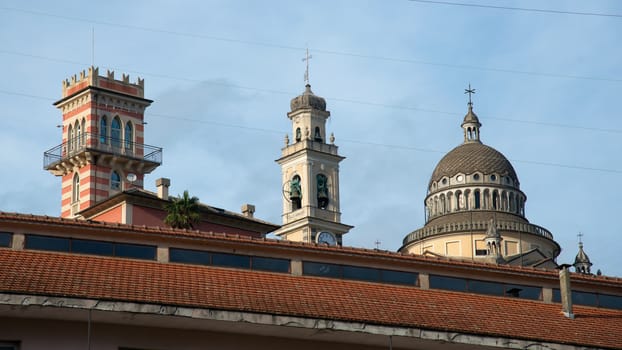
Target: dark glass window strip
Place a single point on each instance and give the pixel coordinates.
(591, 299)
(358, 273)
(5, 239)
(87, 246)
(485, 287)
(199, 257)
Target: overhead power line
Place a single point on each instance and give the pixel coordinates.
(317, 50)
(351, 141)
(524, 9)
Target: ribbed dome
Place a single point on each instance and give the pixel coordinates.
(469, 158)
(308, 100)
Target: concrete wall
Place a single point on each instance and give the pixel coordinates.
(34, 334)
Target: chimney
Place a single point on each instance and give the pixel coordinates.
(248, 210)
(564, 290)
(162, 185)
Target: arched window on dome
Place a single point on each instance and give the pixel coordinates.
(436, 206)
(115, 132)
(459, 200)
(495, 200)
(103, 130)
(486, 199)
(477, 200)
(443, 204)
(504, 201)
(512, 203)
(467, 200)
(115, 181)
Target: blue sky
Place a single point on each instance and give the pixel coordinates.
(393, 73)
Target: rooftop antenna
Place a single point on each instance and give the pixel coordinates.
(377, 243)
(306, 59)
(470, 92)
(93, 46)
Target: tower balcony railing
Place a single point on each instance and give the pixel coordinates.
(95, 142)
(478, 226)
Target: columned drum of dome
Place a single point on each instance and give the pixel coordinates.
(473, 187)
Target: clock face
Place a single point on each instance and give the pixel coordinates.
(326, 238)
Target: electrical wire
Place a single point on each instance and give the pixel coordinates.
(524, 9)
(315, 50)
(345, 140)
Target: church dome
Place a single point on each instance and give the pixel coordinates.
(308, 100)
(470, 158)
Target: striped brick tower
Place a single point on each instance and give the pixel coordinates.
(102, 151)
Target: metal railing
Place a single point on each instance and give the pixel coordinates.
(95, 142)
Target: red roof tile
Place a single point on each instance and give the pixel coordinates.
(56, 274)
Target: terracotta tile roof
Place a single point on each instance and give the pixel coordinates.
(55, 274)
(49, 222)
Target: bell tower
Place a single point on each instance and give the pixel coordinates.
(310, 176)
(102, 151)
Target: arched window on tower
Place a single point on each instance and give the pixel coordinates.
(469, 136)
(83, 136)
(115, 181)
(70, 138)
(298, 135)
(103, 130)
(477, 200)
(78, 136)
(115, 132)
(317, 136)
(322, 191)
(75, 188)
(129, 136)
(295, 193)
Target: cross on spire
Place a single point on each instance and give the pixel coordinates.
(580, 235)
(470, 91)
(306, 59)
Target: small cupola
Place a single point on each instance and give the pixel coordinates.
(582, 263)
(471, 123)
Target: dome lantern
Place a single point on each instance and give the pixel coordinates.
(471, 123)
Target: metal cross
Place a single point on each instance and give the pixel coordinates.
(306, 59)
(580, 235)
(470, 92)
(377, 243)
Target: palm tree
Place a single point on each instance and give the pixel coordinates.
(183, 212)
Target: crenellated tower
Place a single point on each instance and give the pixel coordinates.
(102, 150)
(310, 176)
